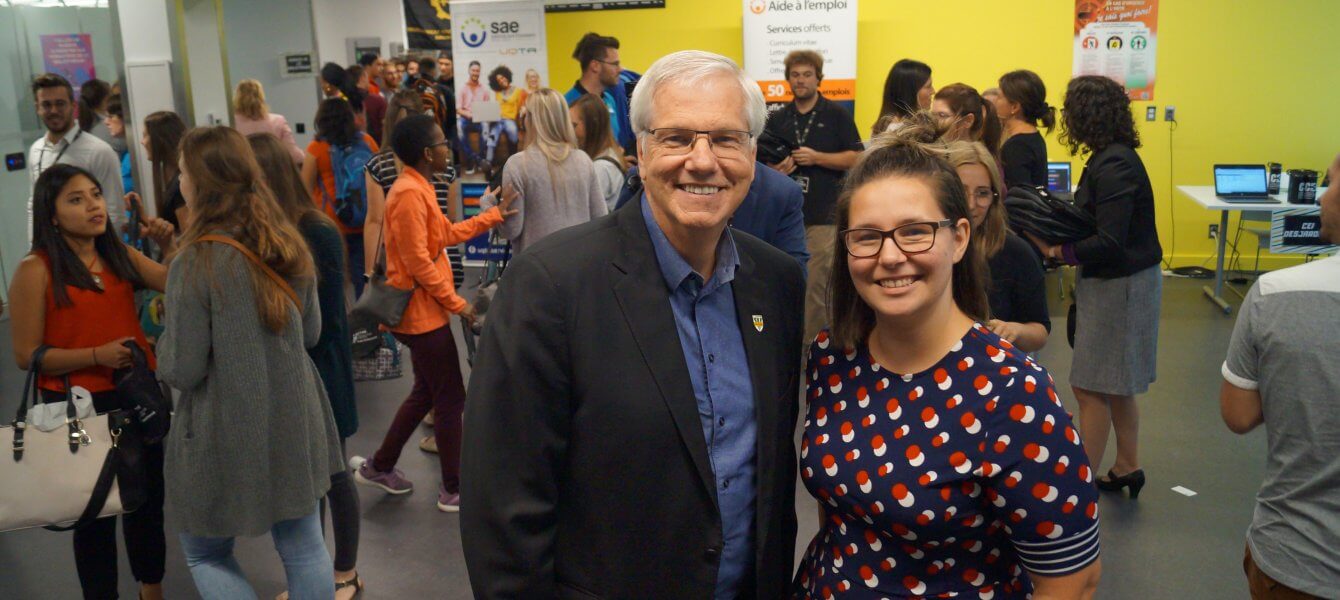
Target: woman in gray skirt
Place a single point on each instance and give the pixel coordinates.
(1120, 284)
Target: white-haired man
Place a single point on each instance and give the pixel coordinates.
(630, 418)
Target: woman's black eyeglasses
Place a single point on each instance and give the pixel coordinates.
(912, 238)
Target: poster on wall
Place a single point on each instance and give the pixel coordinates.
(500, 55)
(428, 24)
(574, 6)
(1118, 39)
(773, 28)
(69, 55)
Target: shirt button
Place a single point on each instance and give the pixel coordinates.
(725, 484)
(721, 422)
(712, 358)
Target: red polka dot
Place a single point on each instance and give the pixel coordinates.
(941, 375)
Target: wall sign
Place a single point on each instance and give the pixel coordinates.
(773, 28)
(296, 64)
(1118, 39)
(1298, 231)
(478, 249)
(428, 24)
(69, 55)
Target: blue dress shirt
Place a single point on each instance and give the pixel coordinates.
(709, 334)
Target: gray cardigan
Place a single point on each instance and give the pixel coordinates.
(547, 206)
(253, 440)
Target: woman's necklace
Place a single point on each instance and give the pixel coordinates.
(97, 280)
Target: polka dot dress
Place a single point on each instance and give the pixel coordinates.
(947, 483)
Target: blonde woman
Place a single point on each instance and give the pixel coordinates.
(252, 115)
(1016, 290)
(554, 180)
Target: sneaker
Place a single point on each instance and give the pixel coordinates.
(470, 170)
(428, 419)
(393, 482)
(356, 462)
(428, 444)
(448, 502)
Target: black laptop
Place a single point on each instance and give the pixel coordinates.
(1244, 184)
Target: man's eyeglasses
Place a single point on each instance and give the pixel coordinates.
(613, 63)
(912, 238)
(725, 143)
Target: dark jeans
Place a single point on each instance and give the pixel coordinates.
(95, 544)
(439, 387)
(465, 126)
(353, 243)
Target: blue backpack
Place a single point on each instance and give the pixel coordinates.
(351, 192)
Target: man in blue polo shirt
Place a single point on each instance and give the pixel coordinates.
(598, 56)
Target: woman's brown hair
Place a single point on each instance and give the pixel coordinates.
(404, 103)
(964, 100)
(1026, 88)
(231, 196)
(165, 133)
(283, 179)
(599, 138)
(991, 235)
(912, 151)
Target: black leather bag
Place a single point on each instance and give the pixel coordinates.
(773, 148)
(143, 396)
(1056, 221)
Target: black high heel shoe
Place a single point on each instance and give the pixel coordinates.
(1133, 480)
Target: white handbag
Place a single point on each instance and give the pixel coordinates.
(68, 477)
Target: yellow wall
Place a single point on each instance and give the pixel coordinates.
(1253, 81)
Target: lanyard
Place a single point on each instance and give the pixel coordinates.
(43, 154)
(802, 135)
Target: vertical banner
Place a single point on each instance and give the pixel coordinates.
(428, 24)
(1118, 39)
(69, 55)
(773, 28)
(502, 36)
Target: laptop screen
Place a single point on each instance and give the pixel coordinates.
(1230, 180)
(1058, 177)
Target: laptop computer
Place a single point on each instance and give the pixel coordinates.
(1242, 184)
(1058, 177)
(486, 111)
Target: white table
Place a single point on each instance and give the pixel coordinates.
(1204, 195)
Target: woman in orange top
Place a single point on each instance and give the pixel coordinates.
(335, 125)
(75, 292)
(417, 235)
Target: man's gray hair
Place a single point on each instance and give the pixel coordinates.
(691, 67)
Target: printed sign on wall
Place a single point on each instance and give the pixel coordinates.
(580, 5)
(773, 28)
(479, 249)
(1118, 39)
(69, 55)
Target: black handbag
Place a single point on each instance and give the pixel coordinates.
(1056, 221)
(143, 396)
(773, 148)
(381, 302)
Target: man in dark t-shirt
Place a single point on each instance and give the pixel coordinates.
(827, 144)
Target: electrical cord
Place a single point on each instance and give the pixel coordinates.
(1172, 199)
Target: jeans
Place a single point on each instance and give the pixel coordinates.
(301, 547)
(505, 126)
(464, 126)
(353, 244)
(439, 387)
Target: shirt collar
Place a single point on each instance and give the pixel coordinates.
(68, 137)
(676, 270)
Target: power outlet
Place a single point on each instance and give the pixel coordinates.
(1169, 113)
(1214, 231)
(1151, 113)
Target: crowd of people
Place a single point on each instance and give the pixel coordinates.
(668, 283)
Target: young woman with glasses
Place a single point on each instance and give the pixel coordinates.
(1017, 290)
(942, 460)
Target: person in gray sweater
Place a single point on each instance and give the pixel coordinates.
(555, 182)
(253, 443)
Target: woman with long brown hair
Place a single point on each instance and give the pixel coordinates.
(591, 123)
(923, 425)
(332, 354)
(160, 138)
(254, 442)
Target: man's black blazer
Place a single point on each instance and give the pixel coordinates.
(584, 470)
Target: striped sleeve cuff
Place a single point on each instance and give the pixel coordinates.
(1236, 380)
(1061, 556)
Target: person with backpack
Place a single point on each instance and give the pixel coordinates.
(333, 171)
(438, 99)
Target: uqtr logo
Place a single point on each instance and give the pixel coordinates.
(758, 6)
(473, 32)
